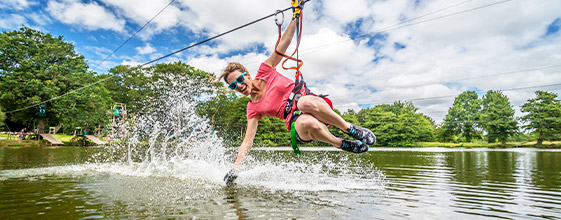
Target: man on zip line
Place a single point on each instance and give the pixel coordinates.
(305, 113)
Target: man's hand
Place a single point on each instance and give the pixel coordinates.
(230, 177)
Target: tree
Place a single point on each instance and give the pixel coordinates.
(272, 132)
(37, 67)
(2, 116)
(462, 118)
(133, 86)
(497, 117)
(349, 116)
(427, 128)
(227, 115)
(445, 134)
(544, 115)
(398, 124)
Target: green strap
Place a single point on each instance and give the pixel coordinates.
(293, 139)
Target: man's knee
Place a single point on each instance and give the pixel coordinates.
(308, 122)
(308, 104)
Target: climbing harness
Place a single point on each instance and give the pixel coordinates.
(299, 83)
(293, 139)
(298, 79)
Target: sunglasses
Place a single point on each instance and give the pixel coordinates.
(233, 85)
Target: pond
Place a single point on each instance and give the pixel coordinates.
(385, 183)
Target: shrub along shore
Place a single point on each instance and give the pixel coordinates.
(66, 139)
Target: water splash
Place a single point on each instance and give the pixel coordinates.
(169, 140)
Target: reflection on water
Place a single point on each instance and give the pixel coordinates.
(172, 165)
(485, 183)
(464, 184)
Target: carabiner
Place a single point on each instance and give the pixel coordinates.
(276, 18)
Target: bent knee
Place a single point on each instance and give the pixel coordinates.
(308, 104)
(308, 122)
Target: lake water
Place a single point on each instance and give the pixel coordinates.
(385, 183)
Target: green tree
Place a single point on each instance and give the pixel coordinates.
(398, 124)
(272, 132)
(36, 67)
(445, 134)
(462, 118)
(426, 126)
(128, 85)
(2, 116)
(350, 116)
(497, 117)
(544, 115)
(134, 86)
(227, 114)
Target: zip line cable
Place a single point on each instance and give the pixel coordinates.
(126, 41)
(474, 77)
(253, 22)
(403, 24)
(400, 23)
(157, 59)
(477, 77)
(439, 17)
(449, 96)
(217, 36)
(99, 64)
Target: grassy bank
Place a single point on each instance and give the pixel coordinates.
(19, 143)
(66, 139)
(546, 144)
(4, 142)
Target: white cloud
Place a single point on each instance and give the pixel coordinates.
(101, 52)
(147, 49)
(460, 47)
(40, 18)
(209, 64)
(215, 17)
(140, 12)
(90, 16)
(497, 39)
(103, 67)
(130, 63)
(12, 21)
(476, 43)
(215, 65)
(347, 11)
(15, 4)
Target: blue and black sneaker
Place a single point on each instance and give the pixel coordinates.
(362, 134)
(355, 146)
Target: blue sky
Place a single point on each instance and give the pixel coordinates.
(353, 50)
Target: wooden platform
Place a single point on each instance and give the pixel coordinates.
(94, 139)
(51, 139)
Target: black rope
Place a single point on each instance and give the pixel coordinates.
(217, 36)
(143, 26)
(152, 61)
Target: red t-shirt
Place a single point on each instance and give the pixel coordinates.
(278, 88)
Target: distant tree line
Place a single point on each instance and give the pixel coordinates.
(492, 116)
(37, 67)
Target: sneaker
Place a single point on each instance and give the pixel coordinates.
(354, 146)
(361, 133)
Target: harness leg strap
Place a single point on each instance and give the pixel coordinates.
(293, 139)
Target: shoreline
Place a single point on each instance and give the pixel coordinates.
(546, 145)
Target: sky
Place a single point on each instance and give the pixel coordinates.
(361, 52)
